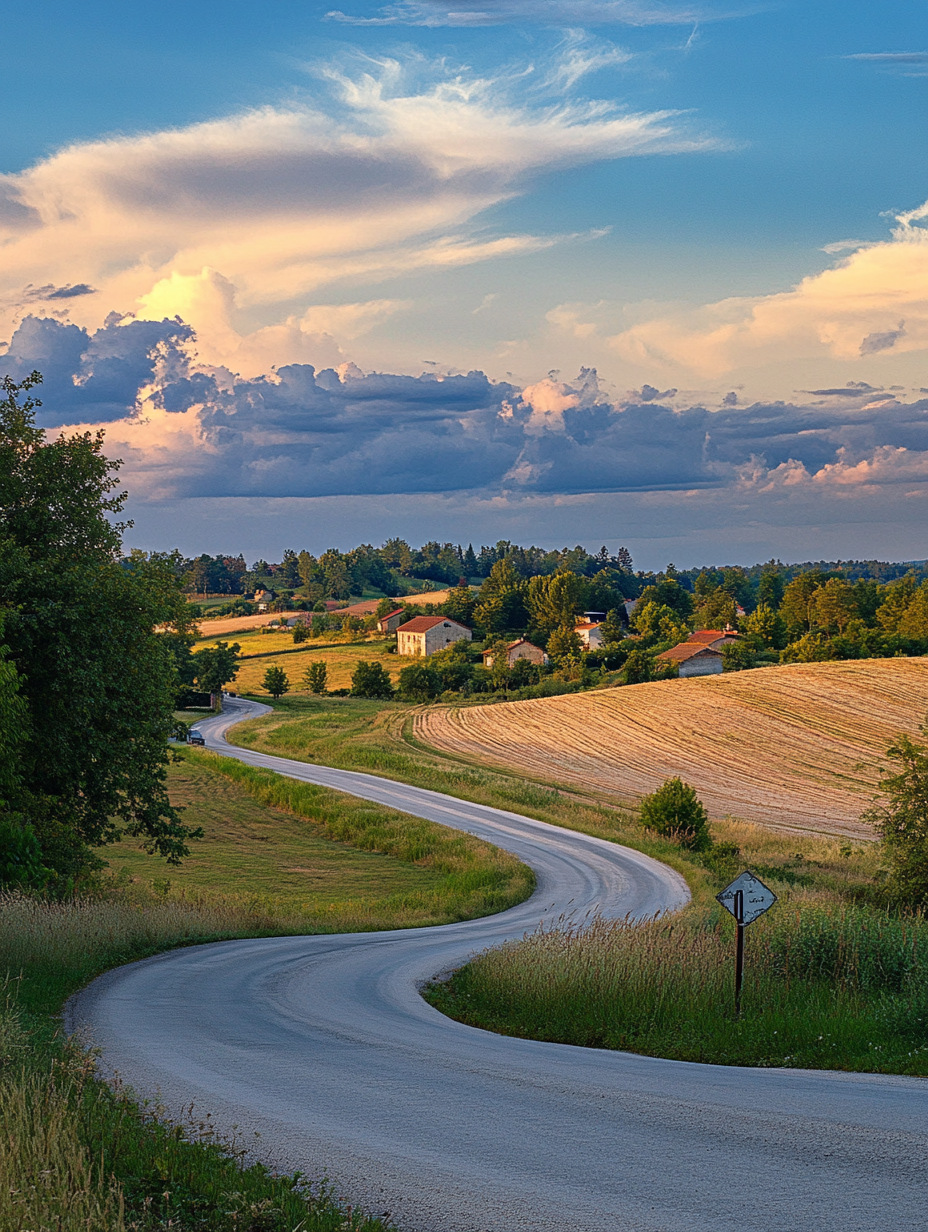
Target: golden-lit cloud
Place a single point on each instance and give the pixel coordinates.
(873, 302)
(277, 203)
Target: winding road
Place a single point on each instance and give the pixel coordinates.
(324, 1047)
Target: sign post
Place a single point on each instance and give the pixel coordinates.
(746, 898)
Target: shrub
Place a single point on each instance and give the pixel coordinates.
(675, 811)
(419, 682)
(300, 632)
(20, 854)
(371, 680)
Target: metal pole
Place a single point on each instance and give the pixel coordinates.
(739, 949)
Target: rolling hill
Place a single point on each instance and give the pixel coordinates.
(793, 747)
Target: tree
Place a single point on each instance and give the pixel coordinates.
(564, 644)
(216, 666)
(798, 604)
(300, 632)
(716, 610)
(316, 677)
(556, 601)
(419, 682)
(460, 605)
(669, 593)
(371, 680)
(613, 629)
(639, 668)
(901, 819)
(834, 605)
(737, 657)
(675, 811)
(89, 637)
(276, 682)
(770, 589)
(768, 626)
(659, 623)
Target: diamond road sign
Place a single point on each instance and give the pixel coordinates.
(755, 898)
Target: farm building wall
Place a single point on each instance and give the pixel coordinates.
(702, 665)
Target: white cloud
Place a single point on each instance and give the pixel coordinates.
(549, 12)
(282, 202)
(873, 301)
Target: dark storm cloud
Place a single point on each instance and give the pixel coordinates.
(303, 432)
(92, 378)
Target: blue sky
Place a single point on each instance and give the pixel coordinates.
(700, 200)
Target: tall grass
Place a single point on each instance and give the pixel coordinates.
(78, 1156)
(826, 986)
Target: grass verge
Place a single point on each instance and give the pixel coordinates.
(79, 1156)
(826, 987)
(355, 734)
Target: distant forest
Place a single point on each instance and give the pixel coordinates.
(396, 567)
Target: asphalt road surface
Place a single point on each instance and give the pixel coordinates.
(324, 1047)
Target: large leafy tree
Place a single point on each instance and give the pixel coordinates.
(900, 818)
(97, 676)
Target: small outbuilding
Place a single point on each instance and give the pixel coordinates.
(693, 659)
(522, 649)
(424, 635)
(392, 621)
(590, 633)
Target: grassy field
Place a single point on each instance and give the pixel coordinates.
(340, 657)
(301, 858)
(792, 747)
(377, 737)
(278, 857)
(827, 986)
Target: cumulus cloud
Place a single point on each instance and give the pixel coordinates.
(188, 429)
(280, 202)
(851, 310)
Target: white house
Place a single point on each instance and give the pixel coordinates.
(424, 635)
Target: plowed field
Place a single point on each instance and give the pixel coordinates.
(792, 747)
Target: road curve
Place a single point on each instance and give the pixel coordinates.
(324, 1047)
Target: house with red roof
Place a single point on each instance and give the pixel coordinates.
(424, 635)
(693, 659)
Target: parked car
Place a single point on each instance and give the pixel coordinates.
(196, 737)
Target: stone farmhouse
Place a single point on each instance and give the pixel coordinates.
(424, 635)
(522, 649)
(693, 659)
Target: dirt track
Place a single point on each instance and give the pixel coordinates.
(781, 746)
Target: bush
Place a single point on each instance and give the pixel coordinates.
(419, 682)
(300, 632)
(371, 680)
(675, 811)
(20, 855)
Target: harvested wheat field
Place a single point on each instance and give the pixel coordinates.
(780, 746)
